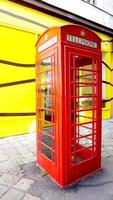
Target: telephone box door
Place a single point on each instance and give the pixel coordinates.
(83, 113)
(46, 112)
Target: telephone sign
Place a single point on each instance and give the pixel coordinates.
(82, 41)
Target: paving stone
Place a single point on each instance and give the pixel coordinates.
(105, 155)
(29, 155)
(6, 166)
(10, 151)
(13, 141)
(2, 151)
(31, 171)
(30, 197)
(7, 146)
(31, 145)
(13, 194)
(3, 189)
(3, 157)
(15, 157)
(24, 184)
(29, 159)
(17, 146)
(110, 148)
(26, 142)
(9, 179)
(10, 165)
(23, 150)
(3, 141)
(1, 173)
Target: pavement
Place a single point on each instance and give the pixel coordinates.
(21, 179)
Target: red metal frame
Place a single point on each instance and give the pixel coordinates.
(68, 77)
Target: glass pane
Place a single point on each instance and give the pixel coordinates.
(83, 130)
(46, 63)
(85, 142)
(47, 77)
(48, 103)
(49, 116)
(86, 77)
(50, 130)
(83, 103)
(85, 63)
(86, 103)
(87, 90)
(47, 152)
(47, 140)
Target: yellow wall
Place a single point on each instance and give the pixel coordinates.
(107, 47)
(17, 45)
(18, 35)
(111, 105)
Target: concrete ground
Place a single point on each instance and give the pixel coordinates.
(20, 179)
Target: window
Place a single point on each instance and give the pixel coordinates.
(90, 1)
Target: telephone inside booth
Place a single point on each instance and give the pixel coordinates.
(68, 93)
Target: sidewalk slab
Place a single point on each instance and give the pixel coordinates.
(13, 194)
(30, 197)
(21, 179)
(23, 184)
(9, 179)
(3, 189)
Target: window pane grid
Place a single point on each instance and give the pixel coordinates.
(45, 107)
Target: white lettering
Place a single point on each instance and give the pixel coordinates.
(78, 40)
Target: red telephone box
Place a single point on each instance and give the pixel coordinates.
(68, 100)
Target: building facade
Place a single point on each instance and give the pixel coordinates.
(98, 11)
(21, 23)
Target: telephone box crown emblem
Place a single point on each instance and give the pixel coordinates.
(82, 33)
